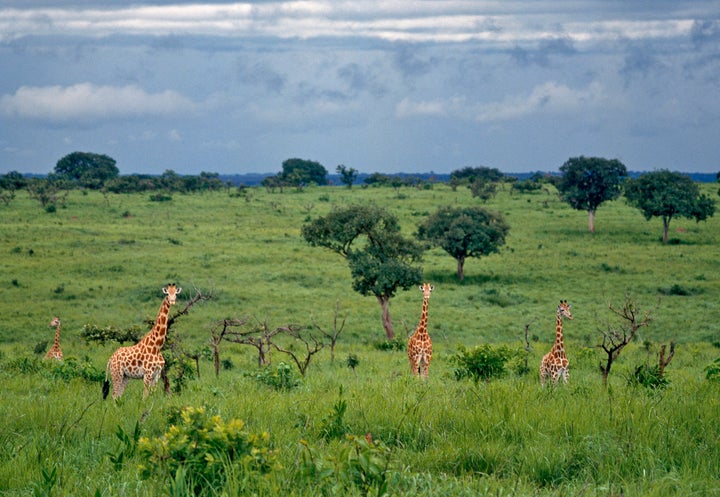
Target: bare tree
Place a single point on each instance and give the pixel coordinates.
(259, 337)
(664, 361)
(335, 332)
(614, 340)
(312, 347)
(217, 334)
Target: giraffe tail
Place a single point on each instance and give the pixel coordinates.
(106, 383)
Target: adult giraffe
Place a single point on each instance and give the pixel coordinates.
(142, 360)
(554, 364)
(419, 344)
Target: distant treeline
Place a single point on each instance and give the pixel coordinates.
(254, 179)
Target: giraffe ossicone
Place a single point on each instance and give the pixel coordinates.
(554, 364)
(144, 359)
(420, 344)
(55, 351)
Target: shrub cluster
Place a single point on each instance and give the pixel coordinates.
(201, 451)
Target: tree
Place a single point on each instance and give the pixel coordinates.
(668, 194)
(614, 339)
(465, 232)
(380, 258)
(587, 182)
(87, 169)
(300, 172)
(347, 175)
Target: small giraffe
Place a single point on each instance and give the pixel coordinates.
(55, 351)
(419, 344)
(142, 360)
(554, 364)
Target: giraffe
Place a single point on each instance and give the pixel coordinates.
(55, 351)
(554, 364)
(142, 360)
(419, 344)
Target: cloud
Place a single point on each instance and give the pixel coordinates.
(86, 102)
(547, 98)
(545, 49)
(449, 21)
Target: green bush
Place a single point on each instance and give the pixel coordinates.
(712, 372)
(205, 450)
(481, 363)
(281, 378)
(395, 344)
(649, 377)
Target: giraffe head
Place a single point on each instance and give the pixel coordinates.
(564, 309)
(171, 291)
(426, 289)
(55, 322)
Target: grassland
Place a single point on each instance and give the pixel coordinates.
(102, 260)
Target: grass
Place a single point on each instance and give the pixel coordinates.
(103, 260)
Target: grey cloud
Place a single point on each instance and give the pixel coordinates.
(545, 49)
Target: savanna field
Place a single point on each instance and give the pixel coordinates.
(357, 423)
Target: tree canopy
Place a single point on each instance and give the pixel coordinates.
(587, 182)
(668, 194)
(87, 169)
(300, 172)
(465, 232)
(381, 260)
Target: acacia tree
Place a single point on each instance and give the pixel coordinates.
(381, 260)
(465, 232)
(668, 194)
(87, 169)
(587, 182)
(347, 175)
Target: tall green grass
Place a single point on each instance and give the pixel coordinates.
(102, 260)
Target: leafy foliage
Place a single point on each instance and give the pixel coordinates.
(380, 258)
(207, 448)
(667, 195)
(712, 372)
(465, 232)
(283, 377)
(647, 376)
(588, 182)
(483, 362)
(87, 169)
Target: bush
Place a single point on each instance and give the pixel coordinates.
(205, 450)
(649, 377)
(481, 363)
(712, 372)
(391, 345)
(282, 378)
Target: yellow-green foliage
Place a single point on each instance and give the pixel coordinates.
(205, 449)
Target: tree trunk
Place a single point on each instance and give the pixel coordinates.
(387, 322)
(591, 221)
(666, 226)
(460, 267)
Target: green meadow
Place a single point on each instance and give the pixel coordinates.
(101, 260)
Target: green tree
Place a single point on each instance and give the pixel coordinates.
(465, 232)
(347, 175)
(668, 194)
(300, 172)
(87, 169)
(587, 182)
(381, 260)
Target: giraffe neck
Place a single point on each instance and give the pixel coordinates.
(155, 339)
(57, 335)
(559, 345)
(422, 325)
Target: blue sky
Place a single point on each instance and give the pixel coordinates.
(380, 86)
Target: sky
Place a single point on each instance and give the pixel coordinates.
(379, 86)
